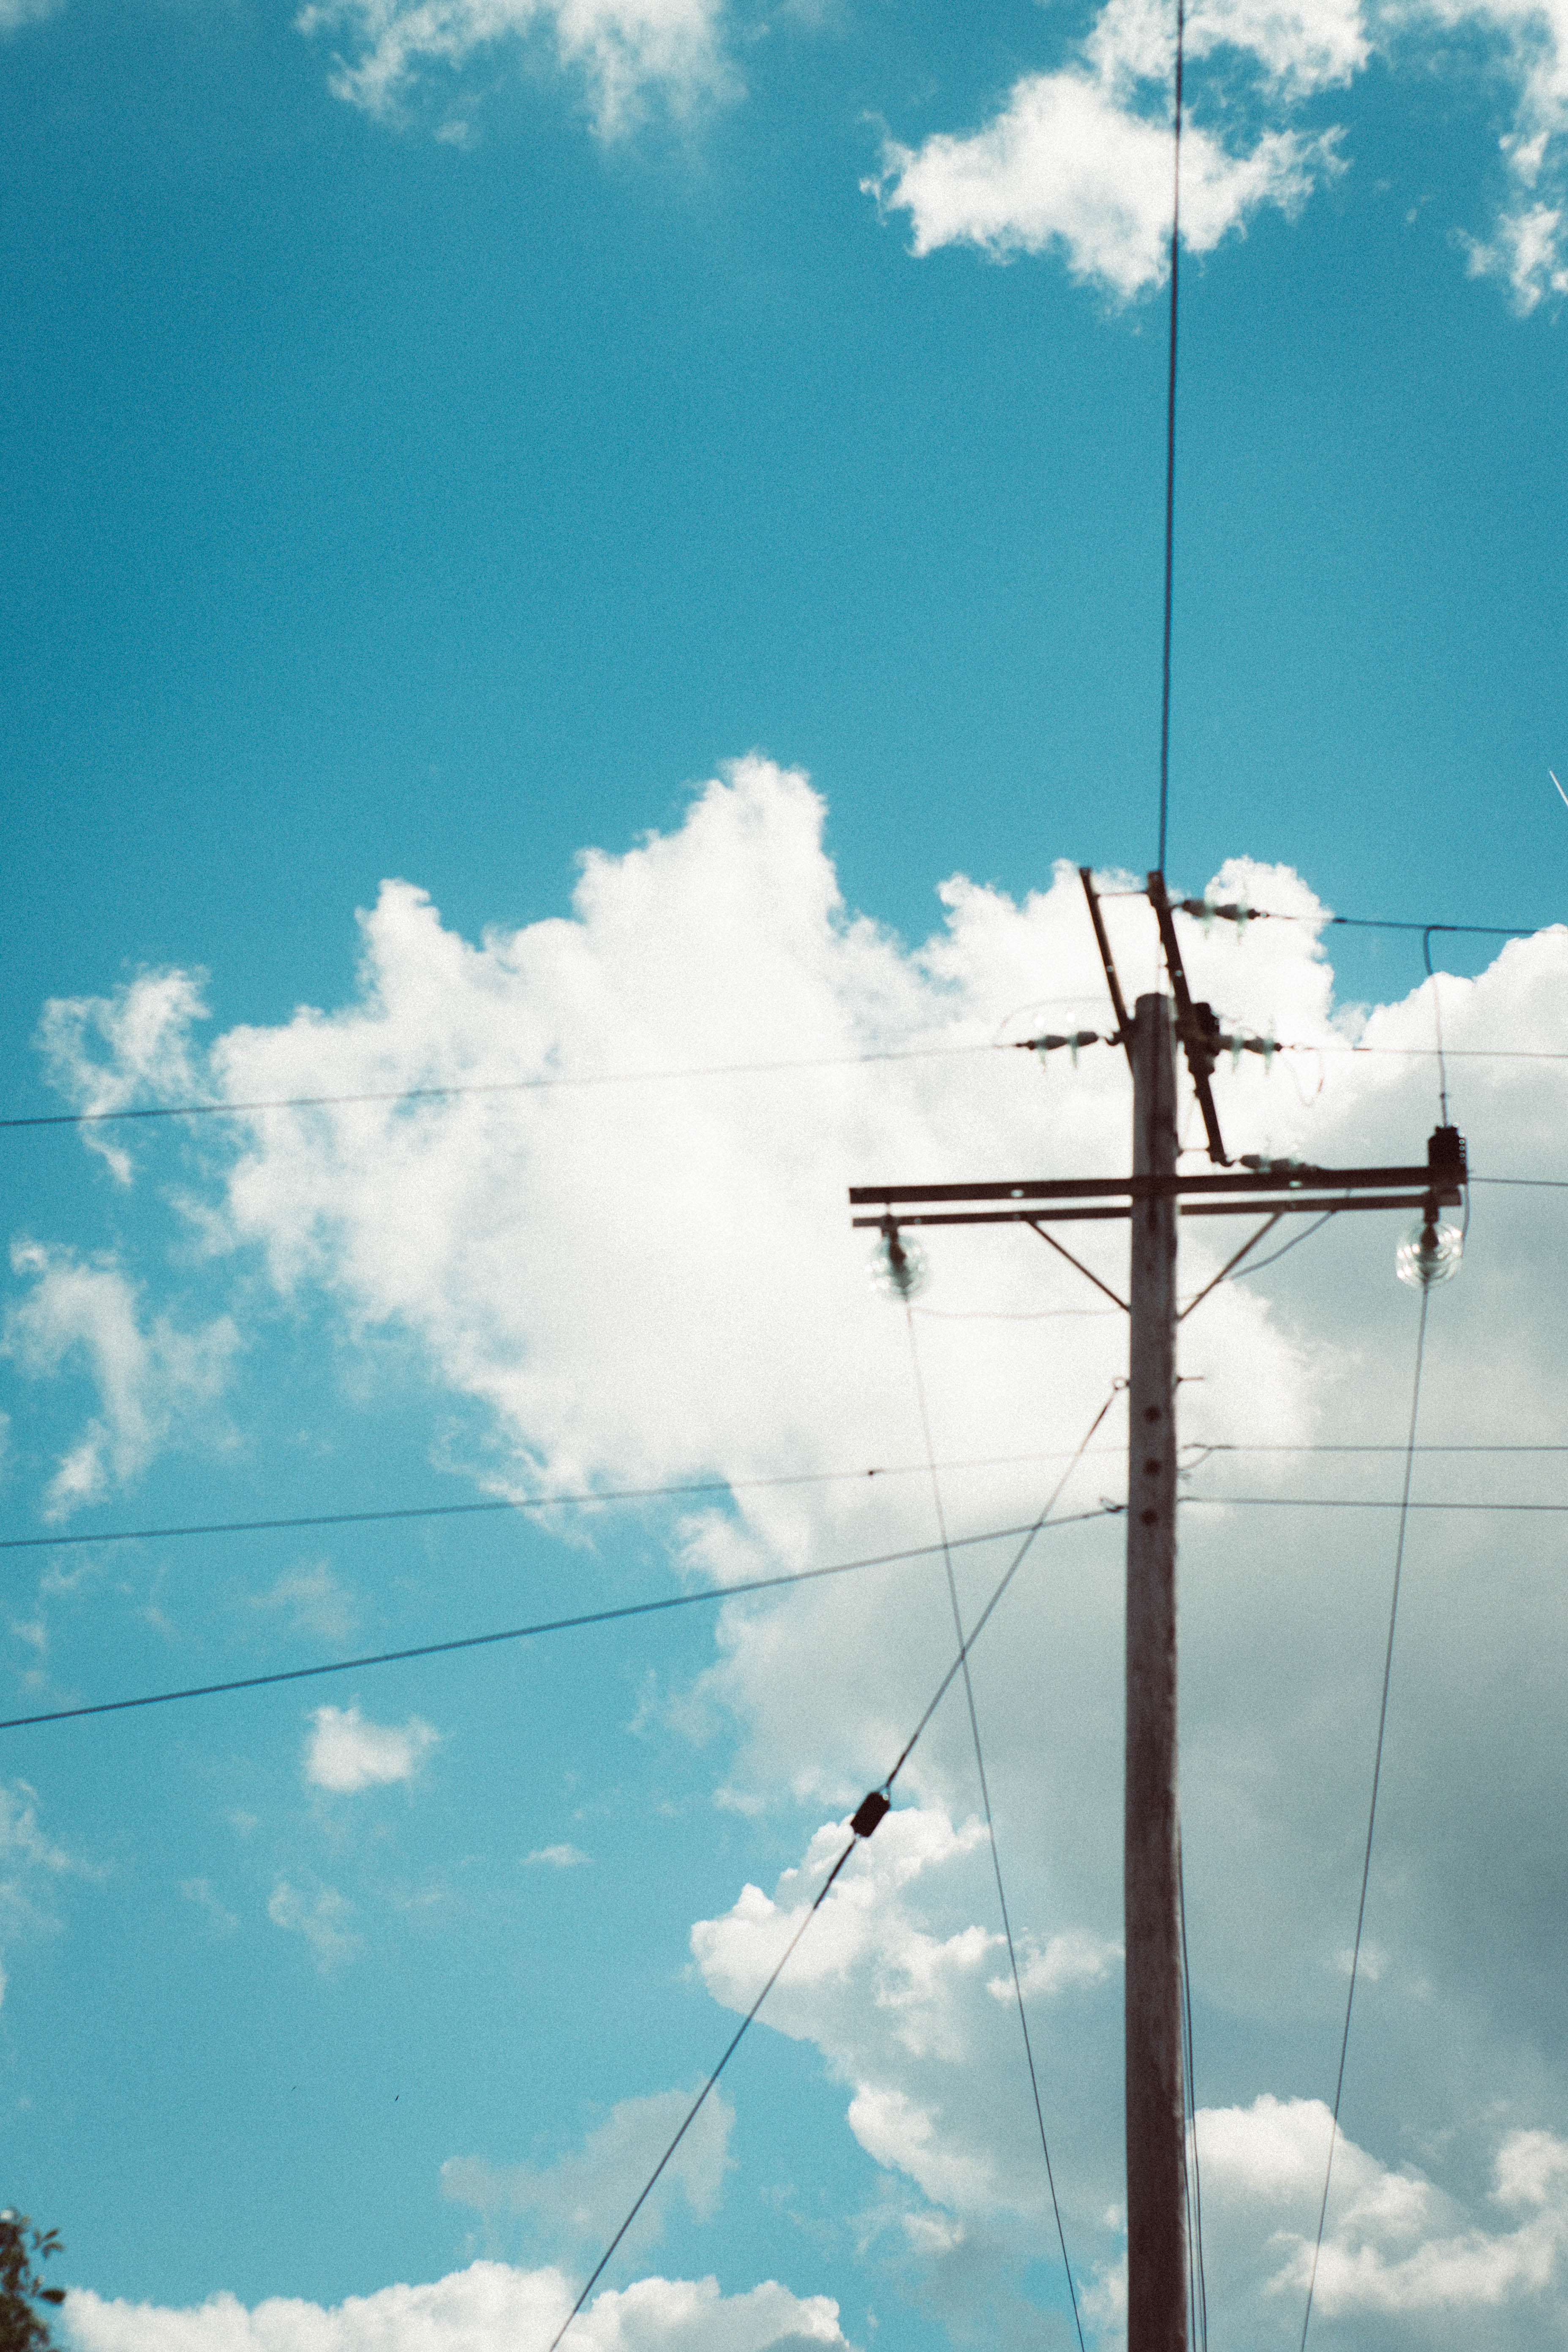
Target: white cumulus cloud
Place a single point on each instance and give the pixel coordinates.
(490, 2307)
(1078, 159)
(1397, 2246)
(1069, 164)
(345, 1753)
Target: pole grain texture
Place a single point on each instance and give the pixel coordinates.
(1156, 2170)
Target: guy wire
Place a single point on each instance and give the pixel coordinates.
(904, 1754)
(1372, 1811)
(990, 1822)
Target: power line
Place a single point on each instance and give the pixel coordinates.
(710, 1595)
(1284, 1251)
(1372, 1810)
(1455, 1054)
(873, 1807)
(1171, 436)
(990, 1821)
(76, 1539)
(492, 1504)
(1209, 910)
(1354, 1503)
(494, 1087)
(1223, 1445)
(671, 1077)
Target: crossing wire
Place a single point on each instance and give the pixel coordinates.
(990, 1820)
(823, 1892)
(1372, 1810)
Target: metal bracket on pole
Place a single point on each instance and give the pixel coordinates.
(1196, 1025)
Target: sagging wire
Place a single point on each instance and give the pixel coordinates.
(1230, 1265)
(990, 1820)
(1372, 1811)
(1294, 1242)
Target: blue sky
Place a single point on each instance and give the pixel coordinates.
(440, 447)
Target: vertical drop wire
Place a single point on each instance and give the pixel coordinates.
(963, 1648)
(1171, 436)
(1437, 1019)
(1372, 1811)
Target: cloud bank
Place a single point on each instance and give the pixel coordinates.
(487, 2308)
(719, 1323)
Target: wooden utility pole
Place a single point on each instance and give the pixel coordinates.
(1156, 2150)
(1152, 1197)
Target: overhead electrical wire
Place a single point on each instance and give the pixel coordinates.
(1284, 1249)
(1171, 434)
(1372, 1809)
(708, 1597)
(74, 1538)
(1332, 922)
(1224, 1446)
(1354, 1502)
(990, 1820)
(492, 1504)
(496, 1087)
(392, 1095)
(871, 1810)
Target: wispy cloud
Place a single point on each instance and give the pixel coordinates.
(574, 2200)
(321, 1918)
(627, 57)
(156, 1384)
(314, 1601)
(220, 1918)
